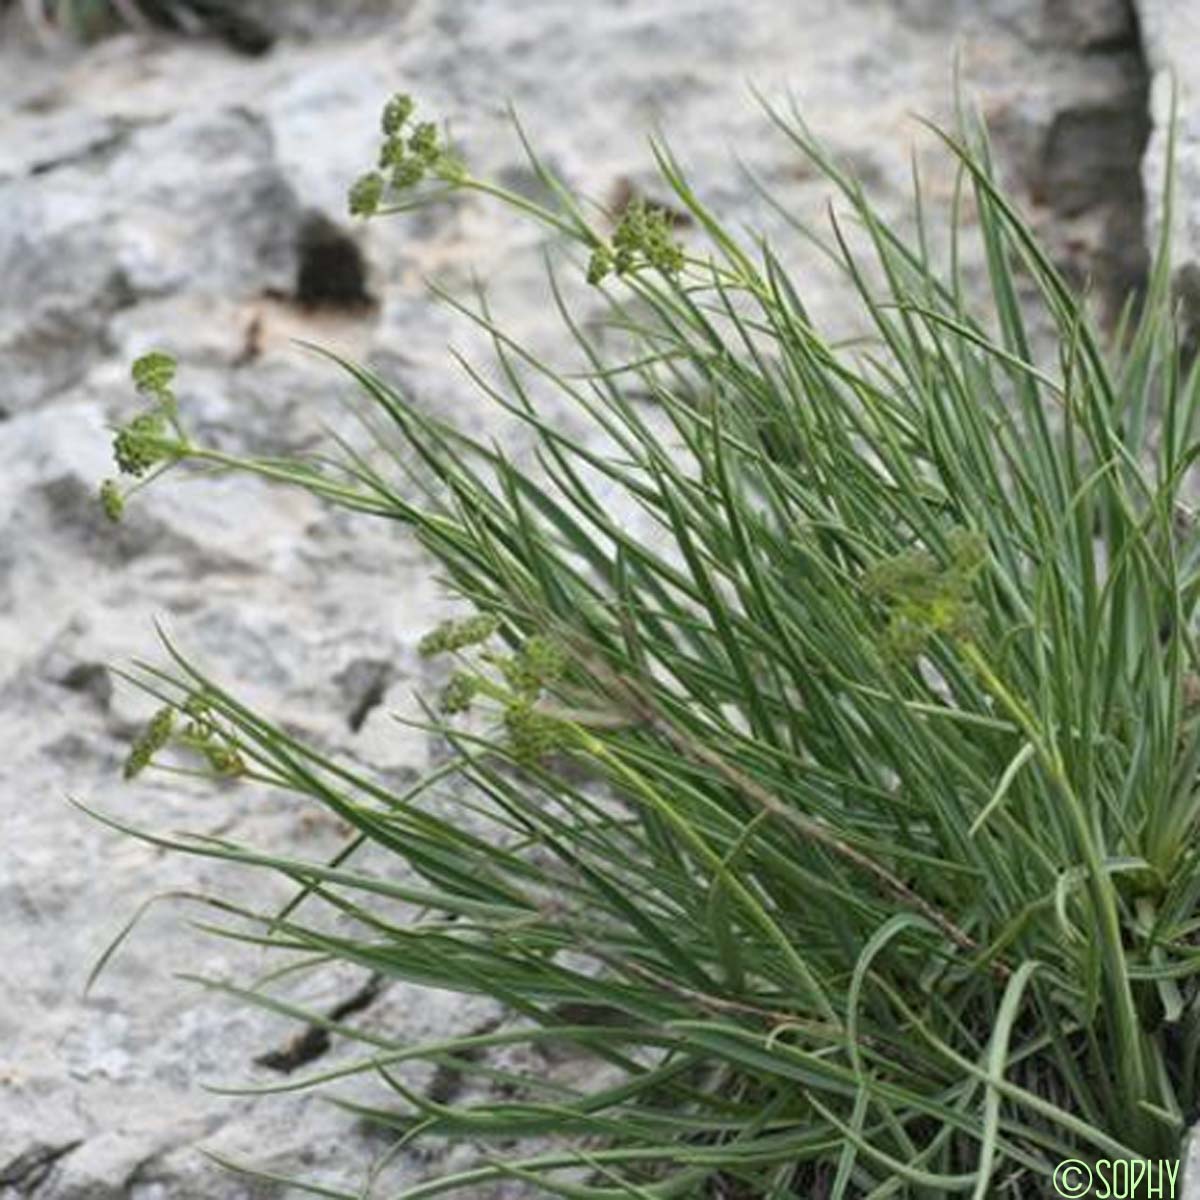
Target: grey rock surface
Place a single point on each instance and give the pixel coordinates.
(1171, 34)
(153, 193)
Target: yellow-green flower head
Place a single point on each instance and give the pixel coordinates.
(111, 500)
(225, 760)
(642, 238)
(407, 155)
(910, 574)
(600, 265)
(407, 173)
(925, 598)
(457, 635)
(423, 142)
(659, 247)
(541, 661)
(396, 113)
(366, 195)
(546, 657)
(200, 724)
(155, 736)
(532, 734)
(142, 443)
(153, 373)
(391, 153)
(968, 551)
(459, 692)
(631, 231)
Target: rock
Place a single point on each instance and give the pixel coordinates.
(1171, 36)
(310, 19)
(40, 143)
(363, 683)
(92, 679)
(1189, 1172)
(1095, 24)
(1092, 25)
(207, 206)
(331, 271)
(103, 1167)
(1073, 150)
(230, 22)
(195, 201)
(1087, 153)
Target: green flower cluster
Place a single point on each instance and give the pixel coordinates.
(153, 436)
(140, 443)
(153, 374)
(153, 738)
(457, 635)
(531, 732)
(458, 694)
(200, 724)
(539, 663)
(203, 736)
(642, 238)
(366, 194)
(925, 598)
(396, 114)
(111, 500)
(408, 154)
(200, 734)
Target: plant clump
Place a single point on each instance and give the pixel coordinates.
(847, 822)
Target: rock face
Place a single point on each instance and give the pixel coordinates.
(161, 191)
(1171, 33)
(129, 218)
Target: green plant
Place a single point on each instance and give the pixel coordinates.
(878, 844)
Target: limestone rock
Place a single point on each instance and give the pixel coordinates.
(194, 202)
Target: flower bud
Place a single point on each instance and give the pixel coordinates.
(153, 373)
(111, 500)
(366, 195)
(396, 114)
